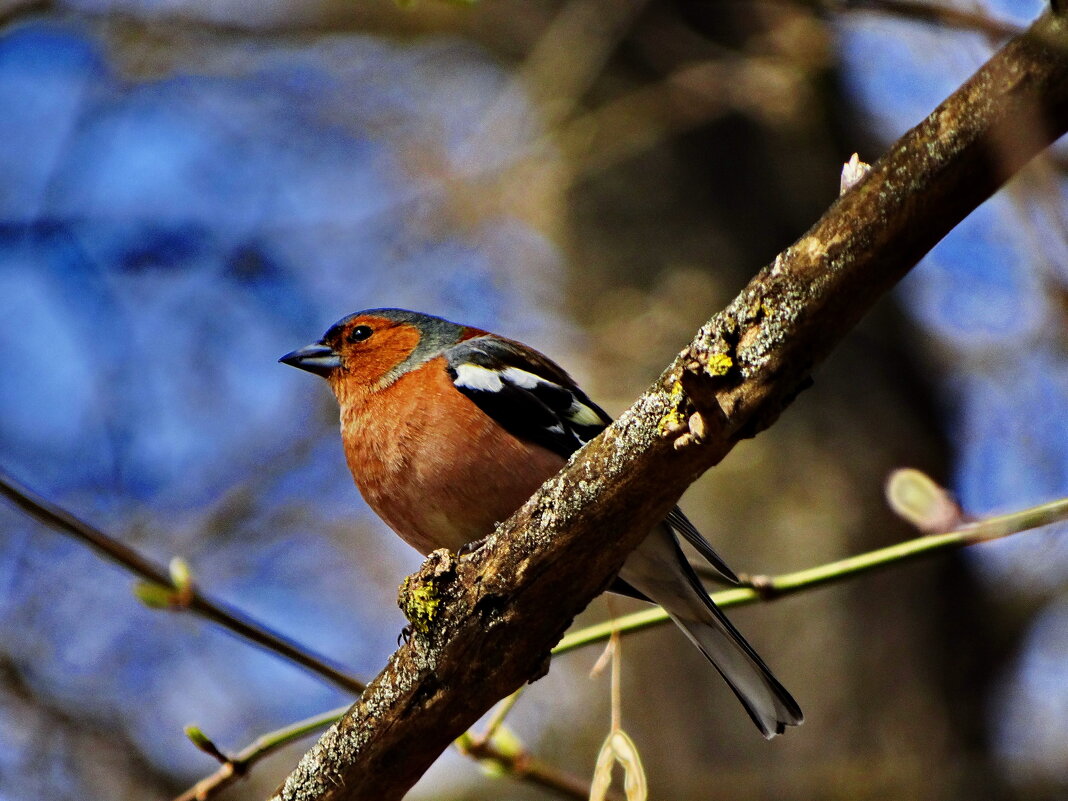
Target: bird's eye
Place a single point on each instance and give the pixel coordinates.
(359, 333)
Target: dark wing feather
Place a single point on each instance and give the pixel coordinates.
(533, 399)
(682, 525)
(528, 395)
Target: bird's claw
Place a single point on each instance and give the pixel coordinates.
(469, 548)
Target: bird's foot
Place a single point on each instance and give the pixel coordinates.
(469, 548)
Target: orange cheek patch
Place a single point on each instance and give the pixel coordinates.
(390, 345)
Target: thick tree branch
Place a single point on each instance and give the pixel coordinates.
(486, 623)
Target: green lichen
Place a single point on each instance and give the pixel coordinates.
(672, 420)
(421, 602)
(719, 364)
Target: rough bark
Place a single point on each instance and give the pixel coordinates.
(484, 624)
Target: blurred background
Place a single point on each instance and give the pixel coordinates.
(189, 189)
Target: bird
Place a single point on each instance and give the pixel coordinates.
(448, 429)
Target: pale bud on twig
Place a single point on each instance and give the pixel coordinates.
(916, 497)
(852, 171)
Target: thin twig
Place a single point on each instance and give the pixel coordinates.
(481, 748)
(530, 769)
(235, 767)
(771, 587)
(917, 11)
(521, 766)
(935, 14)
(497, 718)
(193, 600)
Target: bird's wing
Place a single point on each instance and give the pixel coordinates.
(533, 399)
(528, 395)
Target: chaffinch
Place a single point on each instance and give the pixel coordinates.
(449, 429)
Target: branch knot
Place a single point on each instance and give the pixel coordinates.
(423, 595)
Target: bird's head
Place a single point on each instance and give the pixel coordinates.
(370, 349)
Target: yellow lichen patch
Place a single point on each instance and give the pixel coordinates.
(672, 422)
(718, 364)
(755, 309)
(420, 602)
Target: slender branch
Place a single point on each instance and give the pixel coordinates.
(185, 596)
(518, 764)
(767, 588)
(235, 767)
(930, 13)
(915, 11)
(497, 719)
(522, 765)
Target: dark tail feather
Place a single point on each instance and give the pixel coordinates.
(659, 570)
(768, 703)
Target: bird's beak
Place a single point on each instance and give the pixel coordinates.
(315, 358)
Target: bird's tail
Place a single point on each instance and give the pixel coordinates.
(659, 569)
(768, 703)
